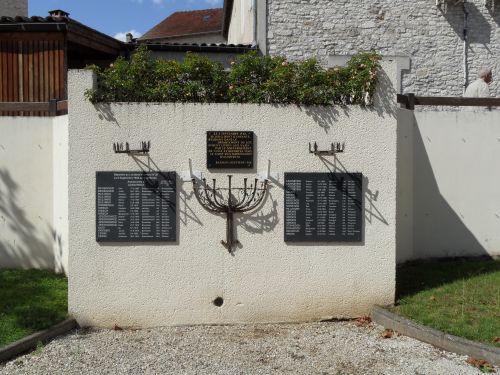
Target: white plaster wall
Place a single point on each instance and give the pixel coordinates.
(456, 178)
(13, 8)
(60, 192)
(405, 186)
(32, 225)
(266, 280)
(241, 25)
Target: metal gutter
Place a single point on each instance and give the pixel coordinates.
(197, 47)
(33, 27)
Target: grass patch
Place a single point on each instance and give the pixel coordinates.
(460, 297)
(30, 301)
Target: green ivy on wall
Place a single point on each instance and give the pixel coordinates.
(251, 79)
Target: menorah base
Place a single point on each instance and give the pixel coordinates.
(229, 245)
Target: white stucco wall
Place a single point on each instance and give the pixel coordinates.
(33, 180)
(60, 192)
(267, 280)
(405, 186)
(241, 25)
(456, 198)
(13, 8)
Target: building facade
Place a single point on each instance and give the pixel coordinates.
(13, 8)
(36, 53)
(441, 44)
(197, 26)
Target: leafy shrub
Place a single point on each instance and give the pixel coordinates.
(251, 79)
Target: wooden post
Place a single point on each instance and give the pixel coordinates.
(411, 101)
(53, 107)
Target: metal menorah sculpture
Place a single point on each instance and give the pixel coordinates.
(119, 149)
(335, 149)
(237, 200)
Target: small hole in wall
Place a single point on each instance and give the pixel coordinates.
(219, 301)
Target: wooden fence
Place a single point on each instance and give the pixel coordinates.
(409, 101)
(32, 69)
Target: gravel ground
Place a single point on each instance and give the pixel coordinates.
(313, 348)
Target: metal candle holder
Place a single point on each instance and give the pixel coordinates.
(119, 149)
(238, 200)
(334, 149)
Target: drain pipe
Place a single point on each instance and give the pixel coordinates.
(465, 35)
(254, 8)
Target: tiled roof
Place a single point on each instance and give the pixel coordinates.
(197, 47)
(38, 23)
(187, 23)
(34, 19)
(67, 25)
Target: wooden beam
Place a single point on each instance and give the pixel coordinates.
(457, 101)
(95, 41)
(53, 107)
(57, 35)
(24, 106)
(62, 105)
(411, 100)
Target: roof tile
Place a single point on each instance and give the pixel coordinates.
(187, 23)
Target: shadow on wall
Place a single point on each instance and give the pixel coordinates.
(23, 244)
(495, 12)
(263, 219)
(257, 221)
(371, 211)
(383, 104)
(479, 30)
(105, 113)
(325, 116)
(384, 100)
(185, 212)
(438, 231)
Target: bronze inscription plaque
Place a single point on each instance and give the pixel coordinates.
(229, 149)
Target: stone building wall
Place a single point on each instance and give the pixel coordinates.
(12, 8)
(431, 36)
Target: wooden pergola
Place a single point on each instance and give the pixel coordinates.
(36, 53)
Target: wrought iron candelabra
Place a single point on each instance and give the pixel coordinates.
(230, 201)
(119, 149)
(335, 149)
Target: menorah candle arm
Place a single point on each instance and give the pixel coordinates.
(206, 193)
(245, 194)
(252, 196)
(244, 202)
(206, 201)
(216, 203)
(197, 192)
(205, 204)
(260, 198)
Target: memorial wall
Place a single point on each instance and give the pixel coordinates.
(229, 213)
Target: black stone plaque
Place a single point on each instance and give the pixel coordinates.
(323, 207)
(229, 149)
(136, 206)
